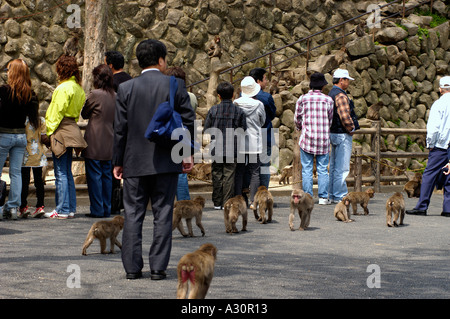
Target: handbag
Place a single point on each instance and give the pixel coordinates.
(165, 120)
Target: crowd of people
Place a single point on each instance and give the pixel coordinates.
(115, 150)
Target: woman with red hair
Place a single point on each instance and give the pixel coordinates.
(17, 101)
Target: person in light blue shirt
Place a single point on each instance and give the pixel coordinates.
(438, 139)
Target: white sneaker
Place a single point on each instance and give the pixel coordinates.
(71, 215)
(324, 201)
(54, 214)
(13, 213)
(218, 207)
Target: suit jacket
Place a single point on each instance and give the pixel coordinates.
(136, 102)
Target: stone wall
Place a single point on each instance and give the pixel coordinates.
(400, 68)
(399, 71)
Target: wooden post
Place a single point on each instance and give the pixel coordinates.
(376, 148)
(96, 28)
(296, 165)
(358, 169)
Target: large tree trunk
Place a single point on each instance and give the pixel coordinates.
(96, 28)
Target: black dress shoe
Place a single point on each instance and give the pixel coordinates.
(158, 275)
(416, 212)
(136, 275)
(445, 214)
(93, 216)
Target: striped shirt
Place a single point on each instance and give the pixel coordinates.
(313, 116)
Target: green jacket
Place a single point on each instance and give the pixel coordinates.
(67, 101)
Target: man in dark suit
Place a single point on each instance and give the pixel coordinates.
(148, 171)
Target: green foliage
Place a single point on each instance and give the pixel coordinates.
(437, 19)
(422, 33)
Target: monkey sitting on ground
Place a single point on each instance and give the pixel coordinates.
(304, 203)
(103, 230)
(264, 201)
(286, 174)
(412, 187)
(341, 211)
(360, 198)
(395, 204)
(198, 268)
(232, 209)
(188, 209)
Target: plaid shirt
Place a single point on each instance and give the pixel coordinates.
(313, 116)
(223, 116)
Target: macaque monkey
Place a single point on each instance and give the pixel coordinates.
(102, 230)
(286, 174)
(412, 187)
(215, 47)
(341, 211)
(395, 204)
(198, 268)
(264, 201)
(233, 208)
(304, 203)
(373, 112)
(360, 32)
(188, 209)
(362, 198)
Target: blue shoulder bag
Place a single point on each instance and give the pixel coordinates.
(165, 120)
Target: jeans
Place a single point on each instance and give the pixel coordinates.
(65, 194)
(99, 182)
(341, 151)
(14, 145)
(307, 160)
(264, 174)
(183, 187)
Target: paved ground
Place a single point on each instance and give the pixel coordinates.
(330, 260)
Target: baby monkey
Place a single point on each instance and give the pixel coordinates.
(188, 209)
(234, 207)
(341, 211)
(103, 230)
(303, 203)
(395, 205)
(362, 198)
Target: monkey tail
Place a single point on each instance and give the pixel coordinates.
(188, 273)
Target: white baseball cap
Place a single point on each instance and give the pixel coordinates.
(444, 82)
(341, 73)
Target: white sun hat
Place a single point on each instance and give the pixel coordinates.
(249, 87)
(341, 73)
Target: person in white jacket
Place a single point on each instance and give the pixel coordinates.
(251, 142)
(438, 139)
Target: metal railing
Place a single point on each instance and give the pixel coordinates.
(308, 39)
